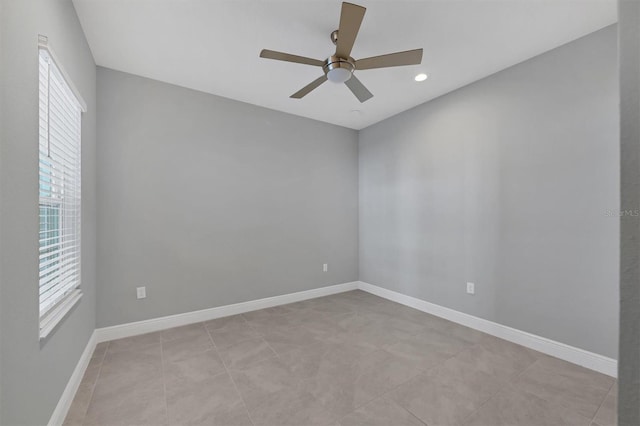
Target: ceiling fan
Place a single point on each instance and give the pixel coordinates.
(340, 66)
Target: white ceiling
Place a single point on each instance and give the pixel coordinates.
(213, 46)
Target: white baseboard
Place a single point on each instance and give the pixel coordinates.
(64, 403)
(163, 323)
(563, 351)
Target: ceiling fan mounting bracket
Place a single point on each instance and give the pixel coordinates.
(334, 37)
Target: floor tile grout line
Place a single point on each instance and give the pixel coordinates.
(421, 372)
(385, 394)
(275, 354)
(603, 400)
(414, 416)
(493, 395)
(238, 341)
(410, 413)
(297, 379)
(93, 387)
(104, 355)
(482, 404)
(261, 337)
(248, 323)
(376, 397)
(464, 348)
(226, 369)
(559, 404)
(164, 381)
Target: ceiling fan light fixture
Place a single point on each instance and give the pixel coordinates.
(420, 77)
(338, 70)
(339, 75)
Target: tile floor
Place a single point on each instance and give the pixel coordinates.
(347, 359)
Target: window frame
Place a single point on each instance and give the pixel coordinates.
(53, 315)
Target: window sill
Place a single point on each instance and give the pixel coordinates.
(52, 318)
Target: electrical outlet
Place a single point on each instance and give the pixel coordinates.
(325, 267)
(141, 292)
(471, 288)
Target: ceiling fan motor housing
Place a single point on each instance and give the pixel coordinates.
(338, 70)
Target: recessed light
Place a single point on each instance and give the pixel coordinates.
(421, 77)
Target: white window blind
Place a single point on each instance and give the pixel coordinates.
(59, 189)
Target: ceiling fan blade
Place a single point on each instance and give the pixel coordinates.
(350, 20)
(309, 87)
(280, 56)
(358, 89)
(410, 57)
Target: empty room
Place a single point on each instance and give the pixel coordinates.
(279, 212)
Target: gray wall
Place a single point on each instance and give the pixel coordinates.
(208, 201)
(505, 183)
(33, 374)
(629, 364)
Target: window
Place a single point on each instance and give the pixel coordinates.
(59, 192)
